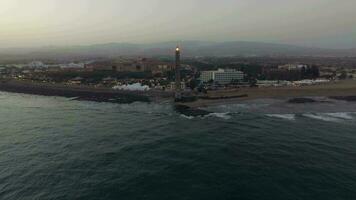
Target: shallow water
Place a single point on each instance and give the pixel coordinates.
(55, 148)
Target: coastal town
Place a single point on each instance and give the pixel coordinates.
(177, 100)
(193, 77)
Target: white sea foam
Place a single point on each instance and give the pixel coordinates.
(225, 116)
(219, 115)
(323, 117)
(342, 115)
(331, 117)
(187, 117)
(283, 116)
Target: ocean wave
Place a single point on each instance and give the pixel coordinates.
(225, 116)
(219, 115)
(282, 116)
(187, 117)
(323, 117)
(341, 115)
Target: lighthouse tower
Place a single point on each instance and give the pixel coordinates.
(178, 82)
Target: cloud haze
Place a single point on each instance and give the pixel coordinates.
(321, 23)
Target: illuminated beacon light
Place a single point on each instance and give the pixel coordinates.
(177, 49)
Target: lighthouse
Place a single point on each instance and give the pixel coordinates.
(178, 82)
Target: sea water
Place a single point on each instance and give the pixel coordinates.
(56, 148)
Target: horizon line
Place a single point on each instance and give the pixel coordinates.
(169, 41)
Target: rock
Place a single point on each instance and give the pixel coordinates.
(307, 100)
(302, 100)
(344, 98)
(191, 112)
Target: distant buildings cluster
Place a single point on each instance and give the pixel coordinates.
(130, 65)
(163, 75)
(291, 72)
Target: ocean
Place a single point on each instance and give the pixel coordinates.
(56, 148)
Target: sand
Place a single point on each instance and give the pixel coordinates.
(339, 88)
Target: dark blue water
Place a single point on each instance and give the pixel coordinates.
(55, 148)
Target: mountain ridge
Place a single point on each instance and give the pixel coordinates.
(189, 48)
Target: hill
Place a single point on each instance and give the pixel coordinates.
(190, 48)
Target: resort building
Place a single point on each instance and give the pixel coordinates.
(222, 76)
(206, 76)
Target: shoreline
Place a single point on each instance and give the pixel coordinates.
(82, 92)
(340, 89)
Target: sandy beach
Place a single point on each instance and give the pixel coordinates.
(345, 88)
(334, 89)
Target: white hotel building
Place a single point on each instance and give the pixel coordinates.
(222, 76)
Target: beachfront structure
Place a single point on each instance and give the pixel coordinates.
(272, 83)
(292, 66)
(76, 81)
(222, 76)
(172, 86)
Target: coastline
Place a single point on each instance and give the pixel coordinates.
(341, 89)
(82, 92)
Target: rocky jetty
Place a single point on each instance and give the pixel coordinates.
(83, 94)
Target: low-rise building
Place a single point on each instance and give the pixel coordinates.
(222, 76)
(172, 86)
(292, 66)
(109, 81)
(76, 81)
(2, 70)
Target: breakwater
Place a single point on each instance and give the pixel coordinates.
(81, 92)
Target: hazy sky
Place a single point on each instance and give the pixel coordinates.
(323, 23)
